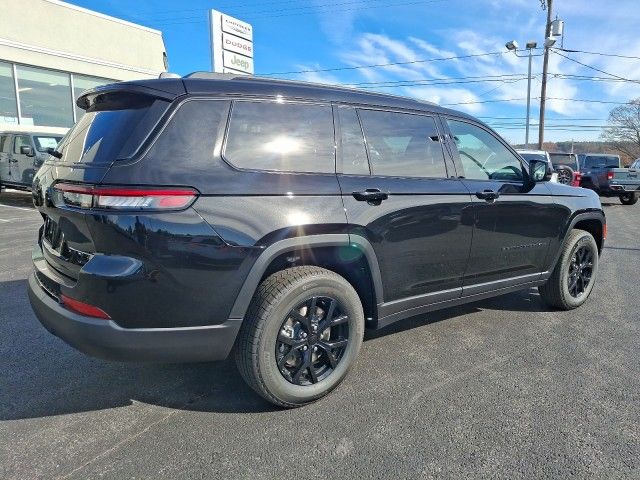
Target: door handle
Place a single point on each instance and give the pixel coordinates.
(488, 195)
(372, 196)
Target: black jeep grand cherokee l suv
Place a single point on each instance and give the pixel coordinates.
(188, 216)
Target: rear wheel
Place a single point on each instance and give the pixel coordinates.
(629, 199)
(301, 335)
(565, 175)
(575, 273)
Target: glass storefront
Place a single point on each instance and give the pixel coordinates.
(45, 97)
(8, 105)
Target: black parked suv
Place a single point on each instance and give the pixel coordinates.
(186, 217)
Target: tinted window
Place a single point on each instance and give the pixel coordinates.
(401, 144)
(354, 153)
(601, 161)
(566, 160)
(112, 133)
(281, 136)
(22, 140)
(533, 156)
(482, 155)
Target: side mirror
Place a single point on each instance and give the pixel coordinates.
(539, 171)
(26, 150)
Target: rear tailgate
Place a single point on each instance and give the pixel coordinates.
(625, 179)
(118, 120)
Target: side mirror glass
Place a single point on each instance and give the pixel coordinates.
(26, 150)
(539, 171)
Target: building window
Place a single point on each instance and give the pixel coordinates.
(82, 83)
(45, 97)
(8, 108)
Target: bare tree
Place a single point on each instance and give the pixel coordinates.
(623, 128)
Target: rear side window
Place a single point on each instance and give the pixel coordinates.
(402, 144)
(113, 132)
(286, 137)
(352, 148)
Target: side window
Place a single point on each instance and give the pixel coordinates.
(482, 155)
(20, 141)
(402, 144)
(286, 137)
(352, 147)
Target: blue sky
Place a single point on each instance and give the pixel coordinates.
(296, 35)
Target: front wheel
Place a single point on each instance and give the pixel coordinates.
(629, 199)
(575, 273)
(301, 335)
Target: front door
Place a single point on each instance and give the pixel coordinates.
(515, 221)
(22, 170)
(401, 194)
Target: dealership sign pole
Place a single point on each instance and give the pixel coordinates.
(231, 44)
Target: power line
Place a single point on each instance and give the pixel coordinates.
(378, 65)
(593, 68)
(599, 53)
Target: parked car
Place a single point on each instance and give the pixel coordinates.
(566, 164)
(605, 175)
(187, 216)
(541, 155)
(22, 151)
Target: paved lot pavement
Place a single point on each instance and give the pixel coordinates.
(502, 388)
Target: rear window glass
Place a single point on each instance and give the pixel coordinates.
(566, 160)
(284, 137)
(602, 161)
(102, 136)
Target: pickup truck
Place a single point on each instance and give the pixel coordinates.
(603, 174)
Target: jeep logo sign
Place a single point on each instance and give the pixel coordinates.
(237, 62)
(231, 44)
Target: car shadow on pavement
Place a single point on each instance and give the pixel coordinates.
(42, 376)
(16, 198)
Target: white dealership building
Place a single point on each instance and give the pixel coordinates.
(50, 51)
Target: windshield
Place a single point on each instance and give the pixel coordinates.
(567, 160)
(534, 156)
(601, 161)
(43, 142)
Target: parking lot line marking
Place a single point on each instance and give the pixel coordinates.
(18, 208)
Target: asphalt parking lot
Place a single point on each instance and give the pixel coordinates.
(503, 388)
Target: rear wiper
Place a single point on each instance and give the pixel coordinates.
(54, 152)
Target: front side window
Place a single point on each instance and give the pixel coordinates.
(402, 144)
(20, 141)
(285, 137)
(482, 155)
(44, 142)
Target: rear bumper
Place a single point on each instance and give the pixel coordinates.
(622, 188)
(106, 339)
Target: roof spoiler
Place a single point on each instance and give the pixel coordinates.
(114, 96)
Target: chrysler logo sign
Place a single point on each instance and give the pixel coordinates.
(231, 44)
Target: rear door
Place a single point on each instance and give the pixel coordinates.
(514, 220)
(402, 195)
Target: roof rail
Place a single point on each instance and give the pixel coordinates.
(215, 75)
(168, 75)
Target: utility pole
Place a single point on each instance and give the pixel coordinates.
(545, 65)
(530, 46)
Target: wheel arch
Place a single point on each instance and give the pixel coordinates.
(350, 256)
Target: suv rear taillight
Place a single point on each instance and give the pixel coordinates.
(609, 175)
(122, 198)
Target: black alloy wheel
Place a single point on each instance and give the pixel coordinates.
(580, 271)
(312, 340)
(565, 176)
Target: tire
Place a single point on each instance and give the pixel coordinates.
(565, 175)
(557, 291)
(629, 199)
(271, 317)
